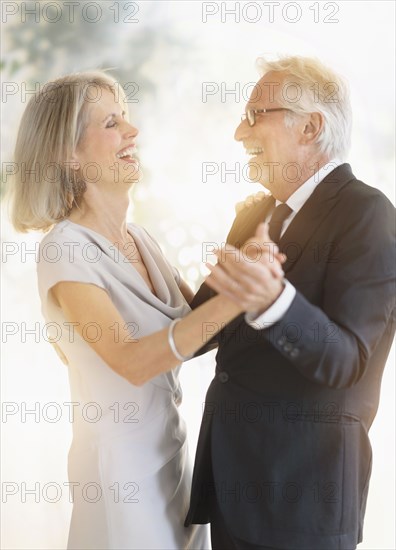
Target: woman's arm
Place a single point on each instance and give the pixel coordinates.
(138, 361)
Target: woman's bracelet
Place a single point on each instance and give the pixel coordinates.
(171, 342)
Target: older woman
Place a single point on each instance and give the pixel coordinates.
(118, 304)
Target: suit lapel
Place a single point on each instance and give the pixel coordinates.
(303, 226)
(301, 229)
(317, 208)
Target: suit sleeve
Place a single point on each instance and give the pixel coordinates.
(333, 344)
(203, 295)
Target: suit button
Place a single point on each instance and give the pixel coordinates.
(288, 346)
(281, 341)
(294, 353)
(223, 377)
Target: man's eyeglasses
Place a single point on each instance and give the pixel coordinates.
(250, 114)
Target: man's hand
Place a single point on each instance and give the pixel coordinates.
(252, 276)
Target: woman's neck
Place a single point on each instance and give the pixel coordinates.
(104, 212)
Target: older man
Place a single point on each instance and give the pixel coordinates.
(284, 458)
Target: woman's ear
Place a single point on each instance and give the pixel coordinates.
(312, 129)
(74, 162)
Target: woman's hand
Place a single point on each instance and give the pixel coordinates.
(251, 276)
(250, 200)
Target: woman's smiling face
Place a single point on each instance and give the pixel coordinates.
(107, 150)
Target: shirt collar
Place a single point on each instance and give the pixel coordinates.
(302, 194)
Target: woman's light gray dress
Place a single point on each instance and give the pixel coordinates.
(128, 460)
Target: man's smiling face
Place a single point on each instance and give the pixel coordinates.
(272, 147)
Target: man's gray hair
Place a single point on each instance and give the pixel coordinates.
(309, 86)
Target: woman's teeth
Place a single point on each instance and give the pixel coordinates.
(126, 153)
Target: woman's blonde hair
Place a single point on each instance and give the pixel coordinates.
(45, 186)
(315, 88)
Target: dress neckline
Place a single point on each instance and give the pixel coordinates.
(141, 248)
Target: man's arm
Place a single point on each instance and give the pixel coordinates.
(332, 344)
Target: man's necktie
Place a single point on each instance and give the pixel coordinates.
(279, 215)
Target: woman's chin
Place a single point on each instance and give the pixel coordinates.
(133, 175)
(137, 177)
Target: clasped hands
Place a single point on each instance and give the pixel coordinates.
(251, 276)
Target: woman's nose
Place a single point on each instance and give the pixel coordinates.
(130, 131)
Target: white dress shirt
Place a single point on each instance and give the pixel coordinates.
(296, 201)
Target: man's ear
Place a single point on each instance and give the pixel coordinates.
(312, 128)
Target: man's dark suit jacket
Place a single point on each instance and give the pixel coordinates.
(284, 437)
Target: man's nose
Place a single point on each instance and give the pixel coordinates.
(240, 131)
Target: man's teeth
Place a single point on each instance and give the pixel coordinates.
(126, 153)
(255, 151)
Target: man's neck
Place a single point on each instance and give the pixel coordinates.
(288, 185)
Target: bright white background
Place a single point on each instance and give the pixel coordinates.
(179, 132)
